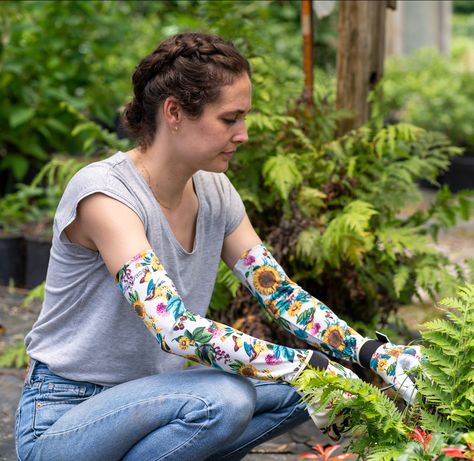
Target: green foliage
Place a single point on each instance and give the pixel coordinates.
(35, 294)
(450, 357)
(14, 355)
(61, 59)
(463, 6)
(444, 409)
(227, 285)
(30, 209)
(335, 210)
(433, 92)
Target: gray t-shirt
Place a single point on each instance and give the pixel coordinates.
(86, 330)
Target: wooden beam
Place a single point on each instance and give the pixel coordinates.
(307, 30)
(360, 57)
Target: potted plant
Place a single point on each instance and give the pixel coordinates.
(26, 218)
(12, 259)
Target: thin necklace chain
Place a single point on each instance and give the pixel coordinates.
(148, 180)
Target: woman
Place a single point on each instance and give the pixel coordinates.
(158, 219)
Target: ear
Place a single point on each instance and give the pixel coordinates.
(172, 112)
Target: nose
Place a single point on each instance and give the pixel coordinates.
(241, 136)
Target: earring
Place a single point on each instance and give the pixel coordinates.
(175, 128)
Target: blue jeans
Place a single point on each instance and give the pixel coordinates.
(194, 414)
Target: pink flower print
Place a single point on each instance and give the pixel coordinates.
(249, 260)
(161, 308)
(315, 329)
(270, 359)
(215, 332)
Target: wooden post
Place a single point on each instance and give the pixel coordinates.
(307, 30)
(360, 56)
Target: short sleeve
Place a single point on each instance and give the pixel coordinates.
(94, 178)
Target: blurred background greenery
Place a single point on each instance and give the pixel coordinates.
(331, 209)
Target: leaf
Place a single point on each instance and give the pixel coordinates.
(305, 316)
(201, 336)
(176, 306)
(400, 279)
(20, 115)
(281, 173)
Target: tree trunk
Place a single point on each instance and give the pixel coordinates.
(360, 56)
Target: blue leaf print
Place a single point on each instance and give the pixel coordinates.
(150, 288)
(176, 306)
(300, 333)
(248, 348)
(288, 353)
(277, 351)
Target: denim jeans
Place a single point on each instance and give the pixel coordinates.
(195, 414)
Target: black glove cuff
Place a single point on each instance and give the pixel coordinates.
(367, 351)
(318, 360)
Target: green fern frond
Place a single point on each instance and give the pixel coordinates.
(308, 245)
(348, 236)
(444, 327)
(281, 174)
(437, 423)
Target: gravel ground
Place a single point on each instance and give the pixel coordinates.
(15, 321)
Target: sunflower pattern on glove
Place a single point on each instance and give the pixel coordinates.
(391, 362)
(294, 308)
(152, 294)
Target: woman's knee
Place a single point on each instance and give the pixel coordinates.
(232, 398)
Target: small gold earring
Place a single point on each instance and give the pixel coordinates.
(175, 128)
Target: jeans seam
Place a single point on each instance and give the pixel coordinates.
(203, 426)
(117, 410)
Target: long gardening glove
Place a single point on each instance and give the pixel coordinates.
(392, 362)
(309, 319)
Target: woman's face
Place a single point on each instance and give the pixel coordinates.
(209, 142)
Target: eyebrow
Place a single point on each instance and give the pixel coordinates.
(237, 111)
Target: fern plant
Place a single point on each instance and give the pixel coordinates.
(437, 426)
(334, 210)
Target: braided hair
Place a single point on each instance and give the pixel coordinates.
(192, 67)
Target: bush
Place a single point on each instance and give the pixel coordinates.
(433, 92)
(331, 209)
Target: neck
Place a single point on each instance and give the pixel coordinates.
(167, 181)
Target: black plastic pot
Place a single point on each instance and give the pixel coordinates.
(12, 260)
(37, 259)
(460, 174)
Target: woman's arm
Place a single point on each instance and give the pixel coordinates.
(308, 318)
(116, 232)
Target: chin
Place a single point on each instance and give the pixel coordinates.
(218, 168)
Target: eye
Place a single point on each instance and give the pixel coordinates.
(229, 121)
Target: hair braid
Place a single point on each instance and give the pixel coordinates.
(192, 67)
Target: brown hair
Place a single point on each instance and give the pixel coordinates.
(192, 67)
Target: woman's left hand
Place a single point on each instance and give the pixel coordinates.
(392, 362)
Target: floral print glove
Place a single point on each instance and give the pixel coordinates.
(294, 308)
(391, 362)
(320, 418)
(146, 285)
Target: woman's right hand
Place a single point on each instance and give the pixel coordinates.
(320, 418)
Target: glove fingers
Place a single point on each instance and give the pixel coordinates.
(405, 387)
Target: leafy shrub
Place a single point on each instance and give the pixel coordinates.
(433, 92)
(30, 209)
(443, 413)
(331, 209)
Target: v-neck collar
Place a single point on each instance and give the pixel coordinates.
(197, 188)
